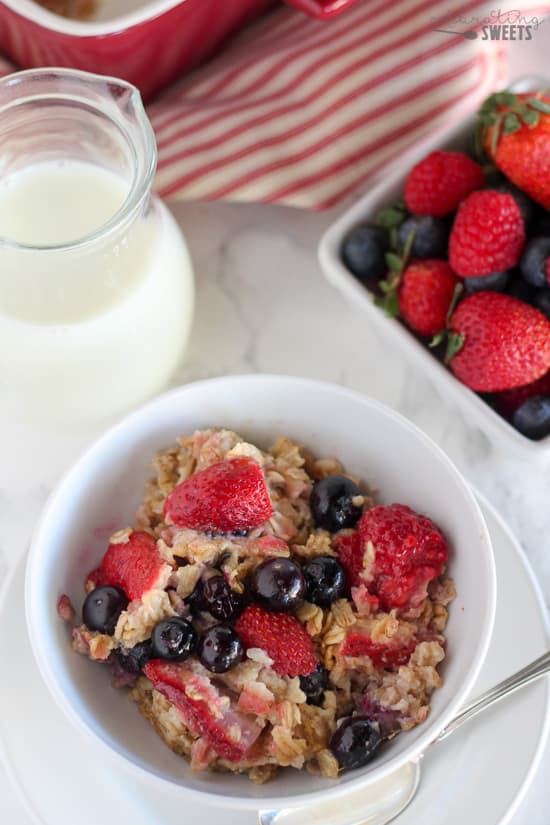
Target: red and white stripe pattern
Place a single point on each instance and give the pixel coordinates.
(300, 112)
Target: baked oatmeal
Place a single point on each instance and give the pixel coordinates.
(76, 9)
(263, 611)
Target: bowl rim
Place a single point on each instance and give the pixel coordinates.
(42, 530)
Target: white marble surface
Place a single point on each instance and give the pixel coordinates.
(263, 305)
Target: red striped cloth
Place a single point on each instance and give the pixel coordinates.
(302, 112)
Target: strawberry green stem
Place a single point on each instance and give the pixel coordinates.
(389, 301)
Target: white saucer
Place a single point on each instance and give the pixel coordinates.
(478, 775)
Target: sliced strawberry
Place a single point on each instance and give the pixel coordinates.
(282, 637)
(256, 698)
(389, 656)
(136, 565)
(227, 496)
(270, 546)
(205, 711)
(350, 554)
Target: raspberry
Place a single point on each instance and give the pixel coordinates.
(488, 234)
(410, 551)
(227, 496)
(282, 637)
(350, 554)
(437, 184)
(425, 295)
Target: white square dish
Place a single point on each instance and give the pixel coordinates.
(384, 194)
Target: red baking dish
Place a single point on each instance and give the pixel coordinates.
(148, 42)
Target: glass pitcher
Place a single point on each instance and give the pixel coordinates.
(96, 285)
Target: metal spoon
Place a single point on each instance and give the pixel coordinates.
(381, 803)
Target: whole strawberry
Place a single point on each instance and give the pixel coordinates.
(227, 496)
(437, 184)
(498, 342)
(282, 637)
(425, 295)
(488, 234)
(516, 136)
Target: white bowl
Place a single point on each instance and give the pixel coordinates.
(363, 211)
(104, 488)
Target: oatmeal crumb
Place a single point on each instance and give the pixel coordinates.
(101, 646)
(256, 654)
(262, 773)
(328, 764)
(121, 536)
(65, 609)
(343, 613)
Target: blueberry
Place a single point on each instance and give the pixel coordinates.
(496, 282)
(363, 252)
(278, 584)
(332, 504)
(325, 580)
(173, 639)
(220, 649)
(430, 236)
(524, 202)
(315, 684)
(215, 596)
(534, 261)
(102, 607)
(532, 418)
(215, 534)
(542, 300)
(354, 742)
(133, 659)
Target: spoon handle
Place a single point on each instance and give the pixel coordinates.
(532, 671)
